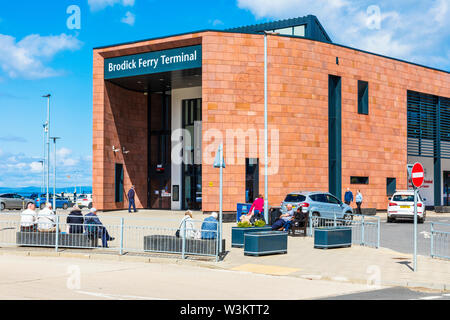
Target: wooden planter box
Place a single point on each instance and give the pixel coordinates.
(265, 242)
(332, 237)
(237, 234)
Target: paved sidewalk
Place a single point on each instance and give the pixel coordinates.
(357, 264)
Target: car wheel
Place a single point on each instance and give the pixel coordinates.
(65, 206)
(420, 220)
(348, 218)
(389, 220)
(3, 206)
(315, 219)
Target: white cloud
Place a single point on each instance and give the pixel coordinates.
(129, 18)
(63, 152)
(96, 5)
(36, 167)
(418, 33)
(27, 58)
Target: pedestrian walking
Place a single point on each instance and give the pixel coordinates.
(131, 194)
(359, 200)
(348, 197)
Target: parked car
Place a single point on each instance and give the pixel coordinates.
(401, 206)
(318, 204)
(61, 203)
(13, 201)
(84, 201)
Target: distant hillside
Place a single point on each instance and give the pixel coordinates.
(30, 190)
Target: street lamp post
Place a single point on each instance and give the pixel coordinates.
(54, 172)
(47, 129)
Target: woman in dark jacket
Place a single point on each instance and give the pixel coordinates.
(75, 220)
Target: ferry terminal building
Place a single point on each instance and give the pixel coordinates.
(344, 118)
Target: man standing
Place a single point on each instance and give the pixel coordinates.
(131, 194)
(348, 197)
(359, 199)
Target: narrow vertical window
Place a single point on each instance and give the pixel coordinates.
(363, 97)
(391, 186)
(119, 182)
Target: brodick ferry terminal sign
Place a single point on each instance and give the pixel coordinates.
(154, 62)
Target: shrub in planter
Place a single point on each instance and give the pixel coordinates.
(244, 224)
(260, 223)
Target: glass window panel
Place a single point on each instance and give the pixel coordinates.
(287, 31)
(299, 31)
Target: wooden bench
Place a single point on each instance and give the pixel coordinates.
(299, 226)
(48, 239)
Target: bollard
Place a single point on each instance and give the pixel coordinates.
(335, 219)
(57, 233)
(183, 246)
(432, 241)
(378, 232)
(121, 236)
(362, 230)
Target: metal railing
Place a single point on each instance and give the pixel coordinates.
(114, 234)
(440, 240)
(365, 229)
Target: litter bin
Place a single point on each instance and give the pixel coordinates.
(242, 208)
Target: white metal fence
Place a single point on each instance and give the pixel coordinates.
(440, 240)
(365, 229)
(115, 234)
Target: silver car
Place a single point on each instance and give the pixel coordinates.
(318, 204)
(14, 201)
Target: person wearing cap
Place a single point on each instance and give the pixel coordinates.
(209, 226)
(46, 219)
(75, 221)
(95, 228)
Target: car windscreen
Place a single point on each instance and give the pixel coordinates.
(295, 198)
(403, 197)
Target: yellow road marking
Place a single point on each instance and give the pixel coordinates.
(265, 269)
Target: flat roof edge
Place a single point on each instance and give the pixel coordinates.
(279, 35)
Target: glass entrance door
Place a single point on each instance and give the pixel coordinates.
(159, 152)
(192, 154)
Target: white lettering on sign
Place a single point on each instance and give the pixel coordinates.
(150, 63)
(183, 57)
(126, 65)
(417, 174)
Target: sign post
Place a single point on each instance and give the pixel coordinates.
(417, 178)
(220, 163)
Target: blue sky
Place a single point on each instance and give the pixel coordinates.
(39, 54)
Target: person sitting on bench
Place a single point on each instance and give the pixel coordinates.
(46, 219)
(95, 228)
(209, 227)
(283, 223)
(75, 221)
(28, 219)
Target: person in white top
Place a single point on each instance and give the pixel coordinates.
(28, 219)
(187, 222)
(46, 219)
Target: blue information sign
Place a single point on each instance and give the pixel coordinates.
(154, 62)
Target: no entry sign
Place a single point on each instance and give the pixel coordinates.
(417, 175)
